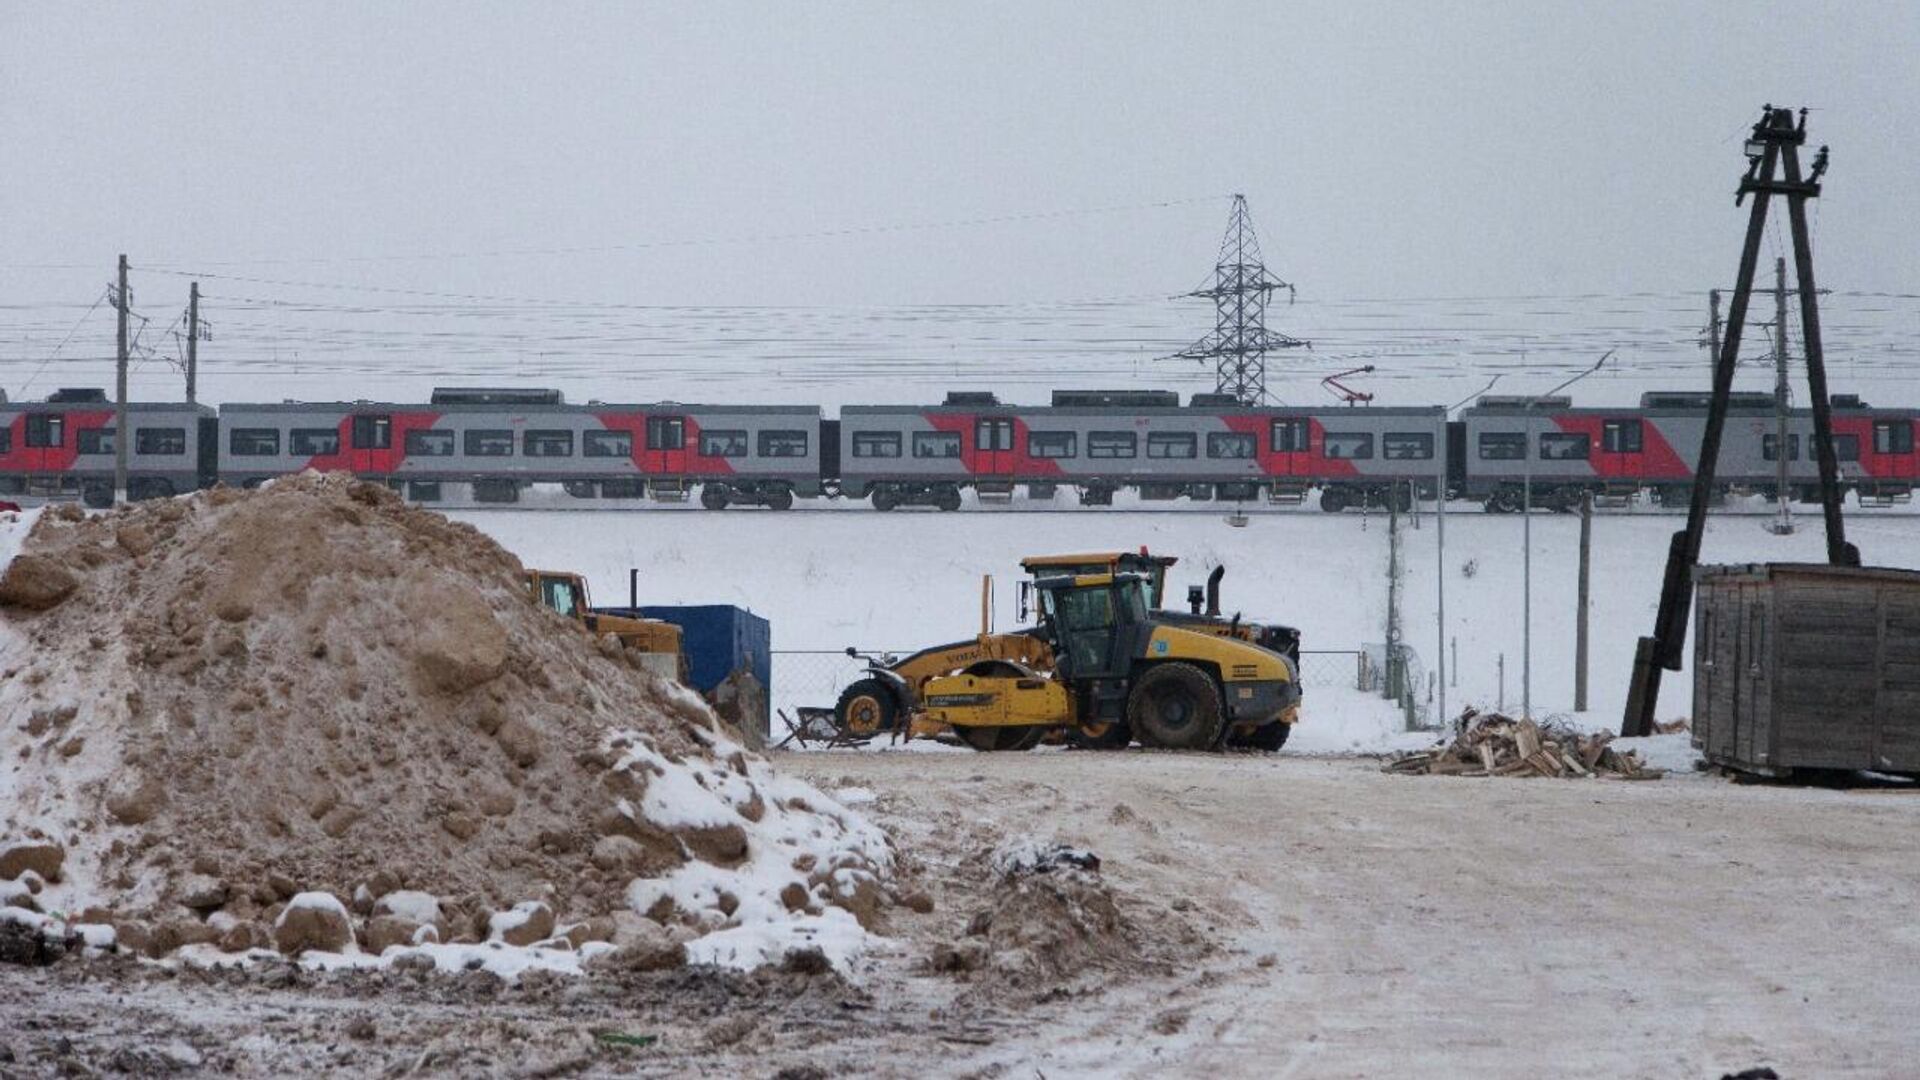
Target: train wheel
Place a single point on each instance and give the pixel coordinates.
(780, 499)
(713, 496)
(948, 499)
(885, 498)
(1333, 500)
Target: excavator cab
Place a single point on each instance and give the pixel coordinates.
(563, 593)
(654, 644)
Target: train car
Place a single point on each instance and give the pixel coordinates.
(1100, 442)
(64, 447)
(501, 441)
(1504, 444)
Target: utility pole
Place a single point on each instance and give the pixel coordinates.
(1774, 145)
(1238, 346)
(193, 339)
(1783, 448)
(1396, 663)
(1580, 616)
(121, 435)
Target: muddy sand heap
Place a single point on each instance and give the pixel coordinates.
(312, 717)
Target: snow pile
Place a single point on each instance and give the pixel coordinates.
(312, 718)
(14, 527)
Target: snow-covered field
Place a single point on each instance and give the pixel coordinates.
(907, 579)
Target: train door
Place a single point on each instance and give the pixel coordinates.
(1893, 450)
(1620, 452)
(46, 438)
(666, 452)
(371, 440)
(993, 446)
(1291, 445)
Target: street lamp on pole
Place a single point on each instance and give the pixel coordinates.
(1440, 545)
(1526, 539)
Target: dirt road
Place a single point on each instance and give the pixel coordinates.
(1364, 925)
(1429, 925)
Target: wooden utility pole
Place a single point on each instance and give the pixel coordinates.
(1580, 616)
(124, 303)
(193, 339)
(1774, 146)
(1783, 447)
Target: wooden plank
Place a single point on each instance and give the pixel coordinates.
(1595, 747)
(1526, 739)
(1487, 757)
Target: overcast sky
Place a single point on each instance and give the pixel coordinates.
(695, 154)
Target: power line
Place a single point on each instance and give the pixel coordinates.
(101, 299)
(719, 241)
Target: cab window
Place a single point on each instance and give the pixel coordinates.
(560, 596)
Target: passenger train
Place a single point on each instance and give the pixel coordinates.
(495, 445)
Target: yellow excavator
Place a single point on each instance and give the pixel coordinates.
(654, 643)
(1102, 665)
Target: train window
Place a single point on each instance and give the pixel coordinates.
(1893, 437)
(617, 444)
(994, 434)
(1620, 437)
(785, 443)
(489, 442)
(160, 441)
(1502, 446)
(369, 433)
(1171, 444)
(1565, 445)
(1112, 444)
(729, 443)
(1407, 446)
(936, 444)
(253, 442)
(876, 444)
(1290, 437)
(46, 431)
(98, 440)
(315, 442)
(666, 432)
(1770, 447)
(1349, 444)
(429, 443)
(1229, 444)
(553, 443)
(1052, 444)
(1846, 448)
(6, 440)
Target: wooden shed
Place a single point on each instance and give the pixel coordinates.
(1807, 666)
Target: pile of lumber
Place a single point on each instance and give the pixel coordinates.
(1493, 745)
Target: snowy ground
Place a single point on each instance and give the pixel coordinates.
(1366, 925)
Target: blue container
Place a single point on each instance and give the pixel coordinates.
(720, 639)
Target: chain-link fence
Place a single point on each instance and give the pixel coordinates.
(1399, 676)
(815, 677)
